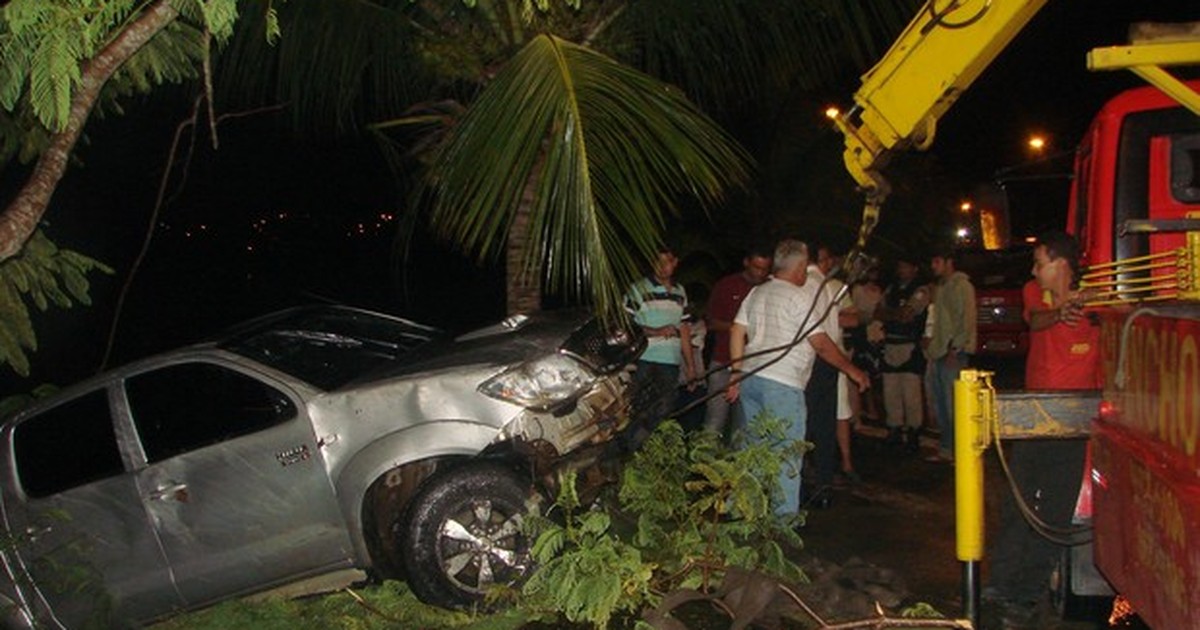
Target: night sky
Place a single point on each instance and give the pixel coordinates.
(267, 222)
(1041, 84)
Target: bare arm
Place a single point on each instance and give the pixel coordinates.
(685, 342)
(1041, 319)
(737, 348)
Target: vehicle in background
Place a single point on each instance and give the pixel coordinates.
(301, 450)
(998, 276)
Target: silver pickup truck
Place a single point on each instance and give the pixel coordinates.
(310, 446)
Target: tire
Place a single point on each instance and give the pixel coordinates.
(462, 534)
(1095, 605)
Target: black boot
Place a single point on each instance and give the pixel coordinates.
(912, 442)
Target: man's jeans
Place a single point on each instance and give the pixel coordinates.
(945, 371)
(655, 387)
(763, 395)
(717, 412)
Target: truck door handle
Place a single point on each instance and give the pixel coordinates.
(171, 491)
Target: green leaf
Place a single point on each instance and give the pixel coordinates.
(549, 544)
(11, 352)
(35, 275)
(54, 71)
(594, 523)
(607, 152)
(14, 64)
(272, 26)
(14, 316)
(220, 16)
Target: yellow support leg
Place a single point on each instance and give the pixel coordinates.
(973, 405)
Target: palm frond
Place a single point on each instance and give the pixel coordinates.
(609, 152)
(334, 63)
(722, 52)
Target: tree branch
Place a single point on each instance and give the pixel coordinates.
(21, 217)
(160, 201)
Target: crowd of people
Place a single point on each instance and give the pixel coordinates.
(786, 336)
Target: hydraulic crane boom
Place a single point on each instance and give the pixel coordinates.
(935, 59)
(942, 51)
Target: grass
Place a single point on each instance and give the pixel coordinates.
(389, 605)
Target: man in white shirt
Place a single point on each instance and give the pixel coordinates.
(774, 340)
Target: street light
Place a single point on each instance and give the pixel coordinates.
(1037, 143)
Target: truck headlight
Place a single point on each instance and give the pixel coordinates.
(542, 383)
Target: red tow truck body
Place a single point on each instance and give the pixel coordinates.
(1140, 165)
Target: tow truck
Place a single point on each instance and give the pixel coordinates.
(1135, 208)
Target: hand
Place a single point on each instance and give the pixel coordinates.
(1071, 312)
(860, 378)
(733, 390)
(951, 359)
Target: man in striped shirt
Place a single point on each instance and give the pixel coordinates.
(658, 304)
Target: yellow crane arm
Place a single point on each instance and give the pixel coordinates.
(939, 54)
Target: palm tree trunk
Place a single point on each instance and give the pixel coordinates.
(21, 217)
(523, 272)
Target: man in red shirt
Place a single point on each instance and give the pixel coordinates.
(727, 295)
(1064, 346)
(1063, 355)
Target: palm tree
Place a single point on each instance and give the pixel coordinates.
(566, 158)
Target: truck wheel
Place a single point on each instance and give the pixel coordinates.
(462, 534)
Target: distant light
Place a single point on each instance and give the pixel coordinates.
(1031, 239)
(1037, 143)
(965, 206)
(832, 112)
(963, 232)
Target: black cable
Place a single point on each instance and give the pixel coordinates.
(853, 268)
(1062, 536)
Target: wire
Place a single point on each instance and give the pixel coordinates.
(852, 270)
(1072, 536)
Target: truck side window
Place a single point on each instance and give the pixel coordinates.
(180, 408)
(1083, 197)
(1185, 167)
(67, 446)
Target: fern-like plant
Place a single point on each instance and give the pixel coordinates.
(690, 510)
(43, 274)
(585, 571)
(723, 514)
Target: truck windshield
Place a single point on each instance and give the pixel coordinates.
(330, 346)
